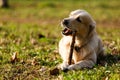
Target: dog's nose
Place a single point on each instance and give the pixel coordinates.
(65, 22)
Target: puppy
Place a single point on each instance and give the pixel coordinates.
(88, 45)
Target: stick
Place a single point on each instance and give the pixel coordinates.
(72, 47)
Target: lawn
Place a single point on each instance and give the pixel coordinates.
(31, 29)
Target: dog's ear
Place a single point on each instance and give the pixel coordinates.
(93, 24)
(91, 28)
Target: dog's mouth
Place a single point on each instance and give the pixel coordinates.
(67, 31)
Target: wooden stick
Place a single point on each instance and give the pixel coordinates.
(72, 47)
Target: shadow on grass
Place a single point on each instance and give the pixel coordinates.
(108, 59)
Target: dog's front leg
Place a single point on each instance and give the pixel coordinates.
(64, 51)
(82, 64)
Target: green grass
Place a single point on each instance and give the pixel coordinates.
(22, 24)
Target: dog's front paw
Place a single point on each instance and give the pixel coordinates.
(64, 67)
(71, 67)
(65, 70)
(74, 67)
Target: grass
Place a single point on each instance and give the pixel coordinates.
(22, 25)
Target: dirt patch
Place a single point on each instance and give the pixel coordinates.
(28, 20)
(106, 23)
(100, 23)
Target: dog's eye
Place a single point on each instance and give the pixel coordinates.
(78, 19)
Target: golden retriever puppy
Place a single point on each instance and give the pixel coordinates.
(88, 45)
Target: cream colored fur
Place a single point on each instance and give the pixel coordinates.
(86, 35)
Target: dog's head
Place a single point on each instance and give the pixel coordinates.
(79, 21)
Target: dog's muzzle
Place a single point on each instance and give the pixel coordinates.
(65, 22)
(66, 31)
